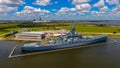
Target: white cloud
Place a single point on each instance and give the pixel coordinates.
(116, 11)
(83, 7)
(111, 2)
(98, 13)
(72, 9)
(64, 10)
(94, 12)
(75, 2)
(5, 9)
(79, 8)
(11, 2)
(106, 12)
(105, 8)
(7, 6)
(117, 8)
(42, 2)
(100, 4)
(28, 10)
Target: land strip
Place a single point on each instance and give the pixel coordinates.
(85, 29)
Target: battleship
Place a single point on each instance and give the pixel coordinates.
(69, 40)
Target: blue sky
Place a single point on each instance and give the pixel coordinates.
(60, 9)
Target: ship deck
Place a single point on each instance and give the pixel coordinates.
(45, 43)
(11, 55)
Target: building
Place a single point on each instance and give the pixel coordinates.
(30, 35)
(40, 34)
(42, 21)
(39, 20)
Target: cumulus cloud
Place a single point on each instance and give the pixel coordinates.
(79, 8)
(28, 10)
(116, 11)
(42, 2)
(83, 7)
(105, 8)
(4, 9)
(117, 8)
(111, 2)
(75, 2)
(100, 4)
(7, 6)
(11, 2)
(65, 9)
(94, 12)
(98, 13)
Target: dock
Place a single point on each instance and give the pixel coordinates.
(35, 53)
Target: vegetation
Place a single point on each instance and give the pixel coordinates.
(82, 28)
(7, 25)
(93, 28)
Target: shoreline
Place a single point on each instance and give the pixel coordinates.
(34, 40)
(1, 39)
(14, 39)
(110, 35)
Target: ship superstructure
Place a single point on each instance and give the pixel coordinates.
(71, 39)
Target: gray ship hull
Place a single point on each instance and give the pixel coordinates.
(62, 46)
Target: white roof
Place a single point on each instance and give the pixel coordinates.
(31, 33)
(58, 34)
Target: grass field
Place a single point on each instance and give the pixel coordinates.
(79, 28)
(93, 28)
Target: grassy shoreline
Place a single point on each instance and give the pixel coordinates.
(85, 29)
(92, 34)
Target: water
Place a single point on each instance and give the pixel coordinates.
(104, 56)
(108, 23)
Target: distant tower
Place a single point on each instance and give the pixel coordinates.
(40, 18)
(34, 19)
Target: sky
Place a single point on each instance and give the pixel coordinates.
(60, 9)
